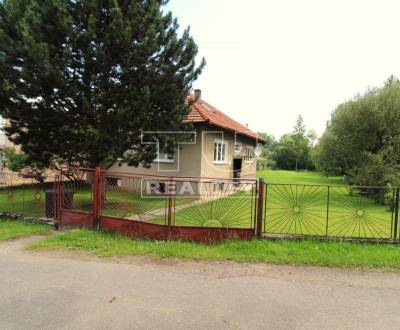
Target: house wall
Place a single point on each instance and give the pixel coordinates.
(211, 169)
(187, 163)
(198, 159)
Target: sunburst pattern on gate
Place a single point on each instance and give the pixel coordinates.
(193, 202)
(295, 209)
(352, 214)
(224, 204)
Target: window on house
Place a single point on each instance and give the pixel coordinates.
(249, 155)
(220, 151)
(165, 158)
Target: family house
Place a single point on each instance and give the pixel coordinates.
(220, 148)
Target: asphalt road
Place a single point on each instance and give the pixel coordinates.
(60, 290)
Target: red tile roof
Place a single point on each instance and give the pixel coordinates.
(202, 112)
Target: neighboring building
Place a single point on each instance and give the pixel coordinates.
(222, 148)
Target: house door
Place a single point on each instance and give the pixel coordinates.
(237, 167)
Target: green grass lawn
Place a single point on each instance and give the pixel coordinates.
(338, 254)
(11, 229)
(301, 177)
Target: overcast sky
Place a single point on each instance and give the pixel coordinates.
(268, 61)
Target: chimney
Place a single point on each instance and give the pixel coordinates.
(197, 94)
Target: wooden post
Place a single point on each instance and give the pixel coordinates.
(97, 189)
(260, 207)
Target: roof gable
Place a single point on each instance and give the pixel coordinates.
(203, 112)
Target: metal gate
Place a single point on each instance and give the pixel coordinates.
(331, 211)
(197, 208)
(74, 199)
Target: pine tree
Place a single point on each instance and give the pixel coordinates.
(80, 79)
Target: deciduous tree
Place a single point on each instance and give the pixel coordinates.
(362, 139)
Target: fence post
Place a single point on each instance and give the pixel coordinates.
(396, 213)
(61, 200)
(260, 207)
(170, 192)
(96, 197)
(56, 202)
(327, 211)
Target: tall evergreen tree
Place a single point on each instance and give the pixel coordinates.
(80, 79)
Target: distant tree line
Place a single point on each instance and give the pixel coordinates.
(291, 152)
(361, 141)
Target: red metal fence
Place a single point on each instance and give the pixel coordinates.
(158, 207)
(202, 209)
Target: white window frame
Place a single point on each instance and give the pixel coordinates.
(219, 157)
(164, 157)
(249, 155)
